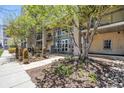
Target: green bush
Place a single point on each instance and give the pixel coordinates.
(12, 46)
(93, 77)
(70, 59)
(63, 70)
(67, 58)
(80, 73)
(1, 51)
(12, 50)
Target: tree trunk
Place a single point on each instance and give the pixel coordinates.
(76, 36)
(88, 39)
(43, 42)
(33, 41)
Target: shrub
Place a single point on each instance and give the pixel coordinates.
(1, 51)
(80, 73)
(93, 77)
(63, 70)
(12, 46)
(12, 50)
(67, 58)
(25, 56)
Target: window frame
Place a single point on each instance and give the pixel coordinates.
(107, 44)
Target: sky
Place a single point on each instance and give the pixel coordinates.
(9, 11)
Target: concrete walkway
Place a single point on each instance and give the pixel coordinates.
(12, 74)
(6, 57)
(6, 54)
(40, 63)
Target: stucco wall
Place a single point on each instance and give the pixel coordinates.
(117, 43)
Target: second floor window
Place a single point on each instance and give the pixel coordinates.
(107, 44)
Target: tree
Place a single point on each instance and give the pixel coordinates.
(92, 16)
(88, 17)
(40, 18)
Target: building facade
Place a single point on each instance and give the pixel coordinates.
(110, 36)
(62, 41)
(4, 38)
(108, 40)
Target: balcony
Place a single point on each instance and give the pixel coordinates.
(113, 17)
(113, 21)
(119, 26)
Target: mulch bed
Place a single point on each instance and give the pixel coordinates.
(45, 76)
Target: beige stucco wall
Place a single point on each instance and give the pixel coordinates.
(117, 43)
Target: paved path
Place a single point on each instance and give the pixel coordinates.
(12, 75)
(6, 57)
(6, 54)
(40, 63)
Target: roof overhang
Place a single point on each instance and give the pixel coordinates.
(109, 28)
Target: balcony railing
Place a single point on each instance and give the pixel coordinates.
(114, 17)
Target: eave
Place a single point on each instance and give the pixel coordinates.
(119, 26)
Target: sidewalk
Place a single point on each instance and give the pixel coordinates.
(6, 57)
(40, 63)
(12, 74)
(6, 54)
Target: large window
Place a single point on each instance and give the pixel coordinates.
(107, 44)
